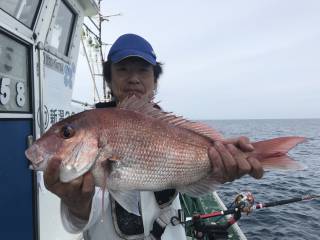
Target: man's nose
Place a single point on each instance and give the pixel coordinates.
(134, 78)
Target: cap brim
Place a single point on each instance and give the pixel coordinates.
(126, 53)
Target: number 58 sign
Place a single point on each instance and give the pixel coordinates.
(11, 92)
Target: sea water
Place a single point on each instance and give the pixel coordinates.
(293, 221)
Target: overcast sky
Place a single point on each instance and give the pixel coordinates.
(227, 59)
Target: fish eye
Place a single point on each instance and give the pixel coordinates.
(67, 131)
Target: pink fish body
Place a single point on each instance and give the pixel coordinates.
(138, 147)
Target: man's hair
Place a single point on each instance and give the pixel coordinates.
(157, 71)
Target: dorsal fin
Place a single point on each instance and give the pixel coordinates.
(145, 106)
(203, 129)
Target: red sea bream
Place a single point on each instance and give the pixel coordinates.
(138, 147)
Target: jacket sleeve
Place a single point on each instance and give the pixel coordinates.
(73, 224)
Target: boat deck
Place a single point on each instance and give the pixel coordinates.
(207, 204)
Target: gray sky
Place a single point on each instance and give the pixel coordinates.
(232, 59)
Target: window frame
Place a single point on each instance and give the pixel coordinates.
(29, 76)
(36, 14)
(72, 28)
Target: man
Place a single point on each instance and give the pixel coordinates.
(132, 69)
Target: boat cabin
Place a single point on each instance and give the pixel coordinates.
(39, 47)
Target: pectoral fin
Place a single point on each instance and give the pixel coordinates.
(129, 200)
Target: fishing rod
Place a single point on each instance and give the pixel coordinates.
(244, 203)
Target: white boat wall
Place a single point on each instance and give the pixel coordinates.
(39, 47)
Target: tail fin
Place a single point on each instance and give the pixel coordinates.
(273, 153)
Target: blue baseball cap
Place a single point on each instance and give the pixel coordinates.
(131, 45)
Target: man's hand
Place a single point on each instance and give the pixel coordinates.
(77, 194)
(230, 159)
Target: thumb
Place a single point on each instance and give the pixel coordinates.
(88, 183)
(51, 174)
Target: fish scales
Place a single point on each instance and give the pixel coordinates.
(159, 155)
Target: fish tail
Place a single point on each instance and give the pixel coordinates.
(273, 153)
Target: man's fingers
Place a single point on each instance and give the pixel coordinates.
(215, 158)
(218, 168)
(234, 160)
(229, 163)
(257, 170)
(243, 143)
(217, 164)
(51, 174)
(244, 166)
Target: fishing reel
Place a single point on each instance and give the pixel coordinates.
(244, 201)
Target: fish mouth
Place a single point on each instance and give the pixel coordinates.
(29, 154)
(32, 154)
(37, 157)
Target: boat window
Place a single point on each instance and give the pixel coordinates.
(61, 32)
(23, 10)
(14, 75)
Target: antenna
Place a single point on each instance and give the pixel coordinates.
(94, 49)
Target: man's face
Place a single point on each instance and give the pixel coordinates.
(132, 76)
